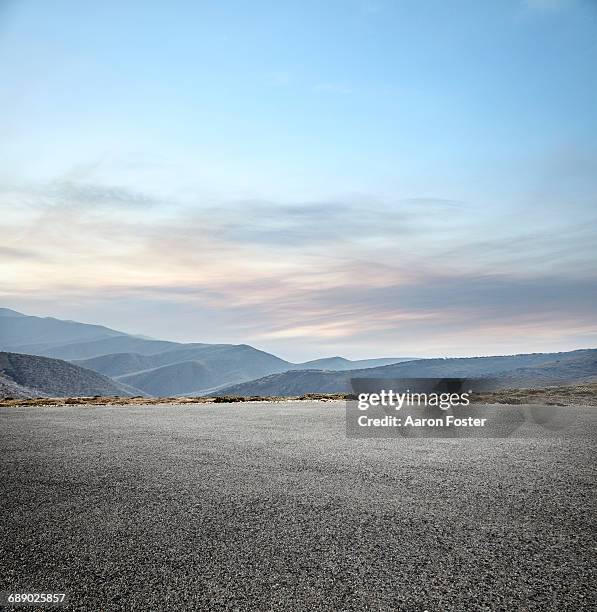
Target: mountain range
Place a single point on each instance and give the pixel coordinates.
(147, 366)
(513, 371)
(44, 356)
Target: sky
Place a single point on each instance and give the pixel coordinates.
(363, 178)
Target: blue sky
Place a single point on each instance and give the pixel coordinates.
(309, 177)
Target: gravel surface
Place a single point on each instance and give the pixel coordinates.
(269, 507)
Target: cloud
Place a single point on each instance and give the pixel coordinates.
(360, 220)
(16, 253)
(360, 273)
(87, 194)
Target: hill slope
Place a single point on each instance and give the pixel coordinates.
(29, 375)
(174, 379)
(10, 389)
(536, 369)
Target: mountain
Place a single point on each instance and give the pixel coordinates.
(171, 373)
(190, 367)
(185, 377)
(33, 376)
(120, 364)
(531, 370)
(195, 370)
(202, 368)
(226, 356)
(105, 346)
(18, 331)
(49, 337)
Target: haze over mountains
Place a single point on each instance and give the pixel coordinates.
(104, 361)
(155, 367)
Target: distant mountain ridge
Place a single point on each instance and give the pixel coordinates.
(198, 368)
(525, 370)
(157, 367)
(202, 367)
(18, 330)
(129, 364)
(338, 364)
(97, 347)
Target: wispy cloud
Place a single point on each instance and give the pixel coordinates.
(420, 272)
(88, 194)
(14, 253)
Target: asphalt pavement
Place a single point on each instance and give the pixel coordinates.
(259, 506)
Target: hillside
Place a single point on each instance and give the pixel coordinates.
(294, 383)
(532, 370)
(28, 375)
(559, 371)
(10, 389)
(174, 379)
